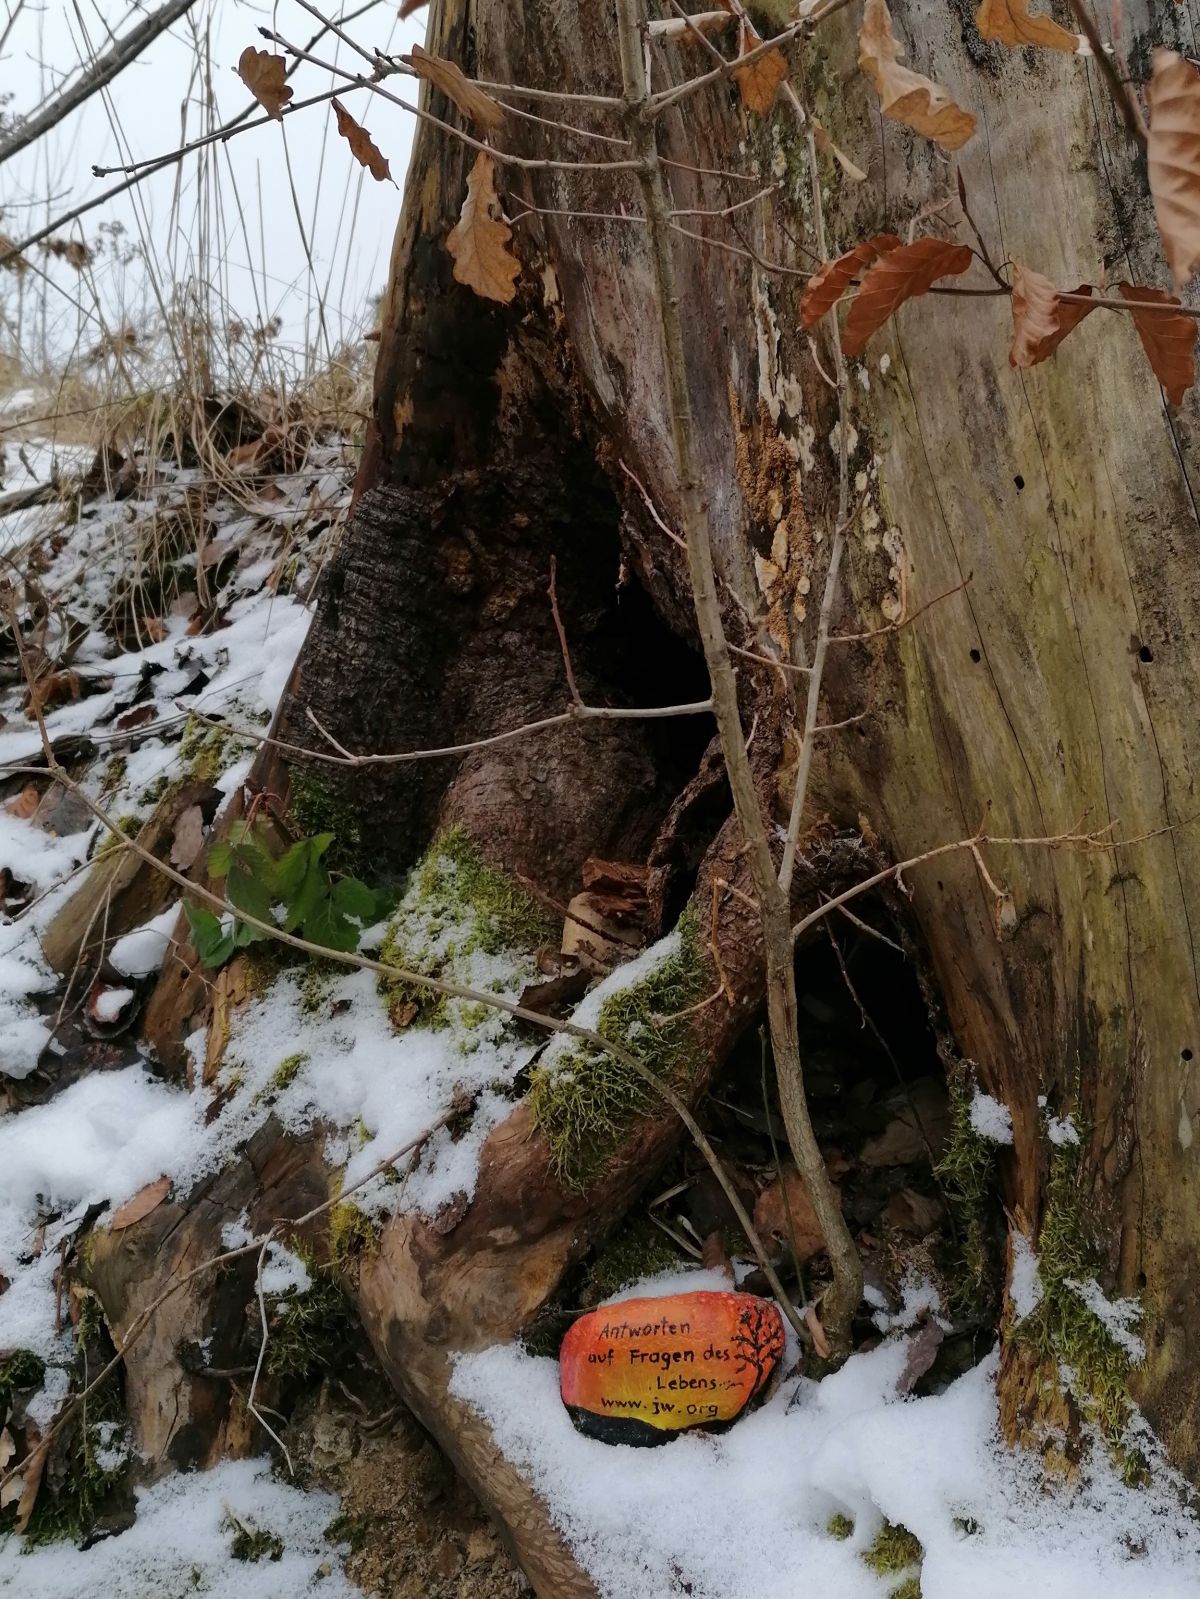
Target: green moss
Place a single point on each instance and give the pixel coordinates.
(909, 1589)
(1062, 1326)
(455, 907)
(351, 1233)
(127, 826)
(68, 1506)
(208, 751)
(251, 1543)
(354, 1531)
(895, 1549)
(637, 1250)
(585, 1100)
(319, 977)
(310, 1332)
(285, 1072)
(840, 1526)
(156, 790)
(114, 773)
(317, 808)
(967, 1174)
(19, 1371)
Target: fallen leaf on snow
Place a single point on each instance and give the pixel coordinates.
(479, 239)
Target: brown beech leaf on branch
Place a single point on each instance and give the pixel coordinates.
(363, 148)
(904, 95)
(1009, 22)
(479, 239)
(898, 276)
(827, 285)
(1041, 317)
(1168, 338)
(447, 76)
(263, 74)
(759, 81)
(1173, 158)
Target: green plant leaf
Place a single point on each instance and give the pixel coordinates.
(213, 944)
(354, 899)
(220, 858)
(330, 928)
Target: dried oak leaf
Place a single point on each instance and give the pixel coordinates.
(143, 1202)
(898, 276)
(1168, 338)
(1173, 158)
(827, 285)
(1041, 317)
(409, 7)
(363, 148)
(907, 96)
(447, 76)
(26, 803)
(264, 75)
(759, 80)
(479, 239)
(1009, 22)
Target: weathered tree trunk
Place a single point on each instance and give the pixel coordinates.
(1054, 687)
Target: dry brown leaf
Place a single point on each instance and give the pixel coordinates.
(479, 239)
(784, 1213)
(1009, 22)
(264, 75)
(410, 7)
(1041, 317)
(31, 1480)
(714, 1256)
(827, 146)
(1173, 158)
(827, 285)
(189, 838)
(898, 276)
(447, 76)
(25, 804)
(759, 80)
(143, 1202)
(923, 1349)
(363, 148)
(904, 95)
(1167, 336)
(822, 1348)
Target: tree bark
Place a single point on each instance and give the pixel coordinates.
(1054, 686)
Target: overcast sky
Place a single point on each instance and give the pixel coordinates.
(348, 217)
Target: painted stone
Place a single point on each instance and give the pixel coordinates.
(640, 1371)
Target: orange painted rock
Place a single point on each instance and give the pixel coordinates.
(640, 1371)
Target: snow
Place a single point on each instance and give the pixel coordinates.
(1061, 1130)
(563, 1046)
(745, 1514)
(110, 1002)
(1025, 1284)
(180, 1545)
(990, 1119)
(1119, 1316)
(283, 1272)
(143, 951)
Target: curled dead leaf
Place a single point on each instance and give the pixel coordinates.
(1173, 159)
(1168, 337)
(1009, 22)
(26, 803)
(827, 146)
(1041, 317)
(898, 276)
(447, 76)
(759, 80)
(264, 75)
(907, 96)
(479, 239)
(411, 7)
(827, 285)
(363, 148)
(139, 1207)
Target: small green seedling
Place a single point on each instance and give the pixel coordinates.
(295, 892)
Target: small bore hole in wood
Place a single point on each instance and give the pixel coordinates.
(976, 657)
(1145, 653)
(1185, 1054)
(1019, 481)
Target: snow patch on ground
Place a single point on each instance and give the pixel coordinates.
(180, 1545)
(1025, 1285)
(745, 1514)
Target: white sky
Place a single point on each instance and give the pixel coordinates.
(259, 269)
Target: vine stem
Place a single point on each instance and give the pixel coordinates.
(843, 1297)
